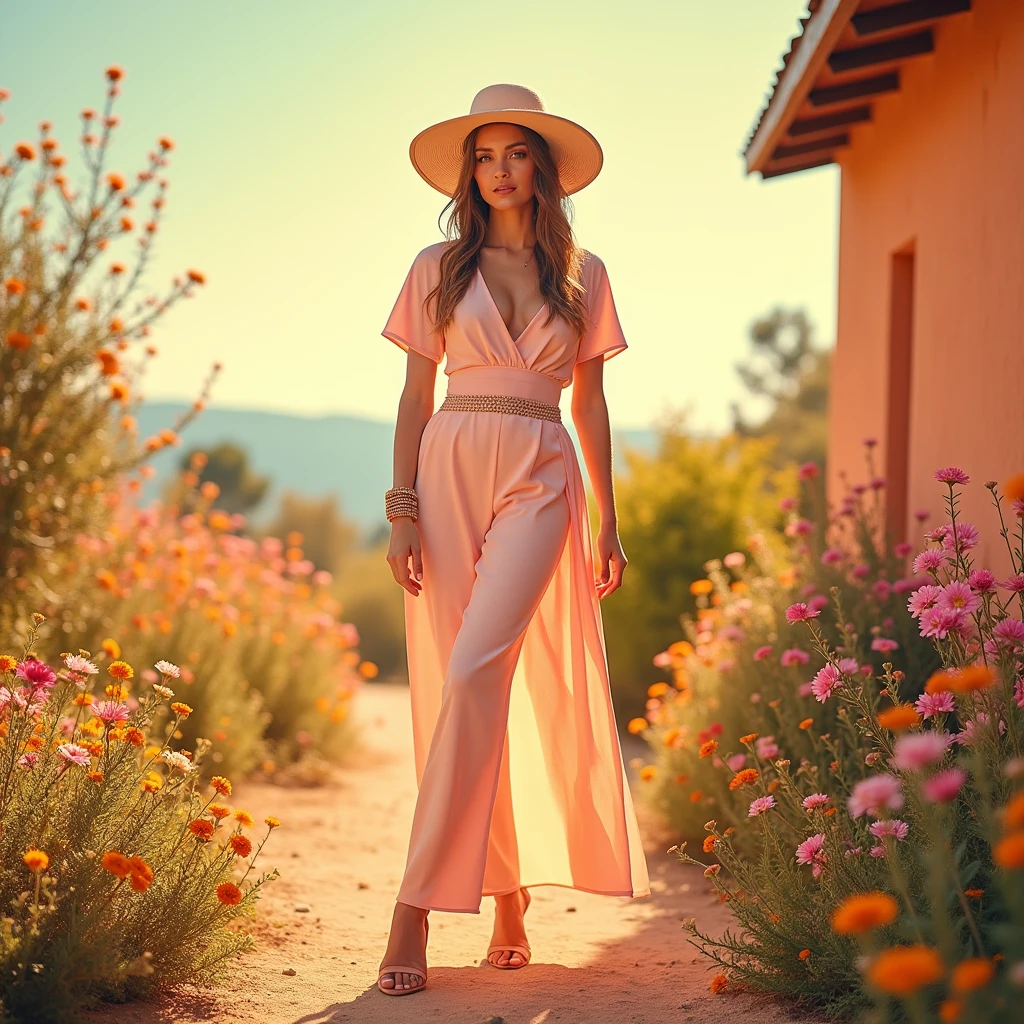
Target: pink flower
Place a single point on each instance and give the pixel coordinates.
(966, 537)
(848, 666)
(928, 560)
(902, 549)
(794, 656)
(74, 753)
(760, 805)
(787, 504)
(762, 652)
(930, 704)
(808, 471)
(890, 827)
(799, 528)
(881, 589)
(799, 612)
(1018, 692)
(981, 580)
(877, 851)
(830, 556)
(1018, 507)
(1010, 632)
(734, 559)
(736, 762)
(817, 603)
(874, 794)
(860, 570)
(952, 475)
(110, 711)
(826, 680)
(810, 852)
(923, 598)
(76, 663)
(940, 622)
(969, 733)
(813, 801)
(662, 660)
(884, 644)
(37, 673)
(766, 747)
(1015, 584)
(943, 786)
(28, 761)
(957, 596)
(918, 750)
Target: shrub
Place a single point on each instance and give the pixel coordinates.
(857, 820)
(119, 871)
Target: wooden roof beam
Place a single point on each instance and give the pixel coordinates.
(882, 53)
(774, 172)
(851, 115)
(830, 94)
(882, 19)
(830, 142)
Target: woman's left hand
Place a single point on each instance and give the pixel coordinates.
(611, 561)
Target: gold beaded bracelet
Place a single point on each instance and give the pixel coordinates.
(401, 501)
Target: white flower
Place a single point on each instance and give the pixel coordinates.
(168, 669)
(76, 663)
(177, 760)
(164, 691)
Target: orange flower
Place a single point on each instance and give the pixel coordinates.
(938, 682)
(899, 717)
(121, 670)
(25, 151)
(201, 829)
(140, 867)
(18, 340)
(240, 845)
(804, 954)
(136, 737)
(181, 709)
(972, 678)
(749, 738)
(36, 860)
(905, 969)
(115, 181)
(109, 366)
(657, 689)
(244, 818)
(117, 864)
(709, 844)
(229, 894)
(197, 277)
(111, 647)
(271, 823)
(1014, 487)
(94, 776)
(971, 974)
(698, 587)
(221, 785)
(696, 796)
(1013, 813)
(974, 894)
(708, 748)
(741, 778)
(718, 983)
(115, 73)
(219, 811)
(807, 723)
(7, 663)
(1009, 851)
(14, 286)
(636, 725)
(862, 912)
(648, 772)
(950, 1010)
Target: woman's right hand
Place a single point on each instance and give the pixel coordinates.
(403, 549)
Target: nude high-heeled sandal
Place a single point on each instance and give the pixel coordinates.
(394, 969)
(523, 949)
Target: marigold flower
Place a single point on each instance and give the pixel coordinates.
(863, 911)
(19, 340)
(698, 587)
(709, 844)
(1013, 813)
(898, 717)
(115, 181)
(219, 811)
(749, 738)
(115, 73)
(939, 682)
(229, 894)
(244, 818)
(94, 776)
(950, 1010)
(201, 829)
(741, 778)
(121, 670)
(136, 737)
(648, 772)
(25, 151)
(197, 277)
(36, 860)
(905, 969)
(140, 883)
(718, 983)
(708, 748)
(181, 709)
(7, 663)
(241, 845)
(696, 796)
(972, 678)
(974, 894)
(971, 974)
(116, 863)
(221, 785)
(1009, 851)
(804, 954)
(657, 689)
(271, 823)
(636, 725)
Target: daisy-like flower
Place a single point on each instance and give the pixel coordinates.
(164, 691)
(1015, 584)
(961, 537)
(121, 670)
(890, 827)
(952, 475)
(760, 805)
(244, 818)
(178, 760)
(37, 673)
(799, 612)
(943, 786)
(766, 747)
(793, 656)
(810, 852)
(221, 785)
(982, 581)
(110, 711)
(815, 800)
(884, 644)
(874, 794)
(923, 598)
(229, 894)
(240, 845)
(762, 652)
(201, 829)
(1009, 632)
(928, 560)
(930, 704)
(957, 596)
(83, 666)
(827, 679)
(940, 622)
(167, 668)
(848, 666)
(75, 754)
(271, 823)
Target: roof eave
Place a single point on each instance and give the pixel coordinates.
(820, 36)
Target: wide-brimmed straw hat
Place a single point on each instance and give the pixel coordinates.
(436, 152)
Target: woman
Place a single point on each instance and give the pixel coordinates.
(520, 774)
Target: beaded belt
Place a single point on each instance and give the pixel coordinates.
(501, 403)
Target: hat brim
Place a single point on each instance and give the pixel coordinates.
(436, 152)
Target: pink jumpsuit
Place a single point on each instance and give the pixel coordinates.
(520, 774)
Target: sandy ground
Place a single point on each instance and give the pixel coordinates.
(341, 852)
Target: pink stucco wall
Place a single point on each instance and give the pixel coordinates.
(939, 172)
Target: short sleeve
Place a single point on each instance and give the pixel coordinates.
(409, 325)
(604, 335)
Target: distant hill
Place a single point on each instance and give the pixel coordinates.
(314, 455)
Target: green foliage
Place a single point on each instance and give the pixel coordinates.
(676, 508)
(117, 874)
(327, 537)
(226, 465)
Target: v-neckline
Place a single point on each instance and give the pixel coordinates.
(501, 320)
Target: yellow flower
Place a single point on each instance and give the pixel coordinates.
(862, 912)
(244, 818)
(111, 647)
(36, 860)
(971, 974)
(181, 709)
(7, 663)
(905, 969)
(271, 823)
(221, 785)
(121, 670)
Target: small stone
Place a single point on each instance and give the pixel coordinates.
(570, 910)
(494, 1020)
(364, 885)
(290, 971)
(302, 908)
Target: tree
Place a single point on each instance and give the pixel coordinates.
(227, 466)
(328, 538)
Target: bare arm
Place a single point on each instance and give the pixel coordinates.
(415, 407)
(590, 416)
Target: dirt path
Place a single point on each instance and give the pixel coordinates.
(341, 853)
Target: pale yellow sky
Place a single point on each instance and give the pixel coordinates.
(292, 188)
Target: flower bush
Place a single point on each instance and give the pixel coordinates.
(120, 871)
(264, 653)
(863, 784)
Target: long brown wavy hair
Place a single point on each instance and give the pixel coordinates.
(559, 258)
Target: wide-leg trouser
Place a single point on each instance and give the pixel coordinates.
(463, 840)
